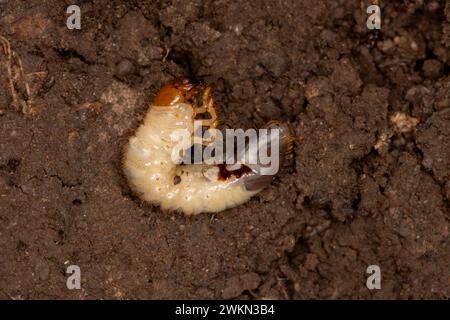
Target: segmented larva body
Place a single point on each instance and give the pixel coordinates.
(192, 188)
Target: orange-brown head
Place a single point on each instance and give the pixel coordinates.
(177, 91)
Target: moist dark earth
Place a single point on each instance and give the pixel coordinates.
(367, 183)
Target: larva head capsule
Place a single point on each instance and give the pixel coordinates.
(183, 91)
(176, 91)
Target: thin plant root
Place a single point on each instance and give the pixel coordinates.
(13, 60)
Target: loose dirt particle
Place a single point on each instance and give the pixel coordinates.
(403, 123)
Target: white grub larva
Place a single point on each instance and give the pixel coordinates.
(156, 178)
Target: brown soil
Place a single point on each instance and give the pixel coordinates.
(368, 182)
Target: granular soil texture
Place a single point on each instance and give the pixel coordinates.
(367, 184)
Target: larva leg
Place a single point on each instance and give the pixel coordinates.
(208, 102)
(208, 107)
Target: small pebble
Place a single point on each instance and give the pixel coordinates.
(124, 69)
(276, 62)
(432, 69)
(42, 270)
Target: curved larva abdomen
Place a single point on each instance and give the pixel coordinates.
(156, 178)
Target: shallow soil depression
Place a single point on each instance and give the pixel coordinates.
(367, 183)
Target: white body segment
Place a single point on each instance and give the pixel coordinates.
(156, 178)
